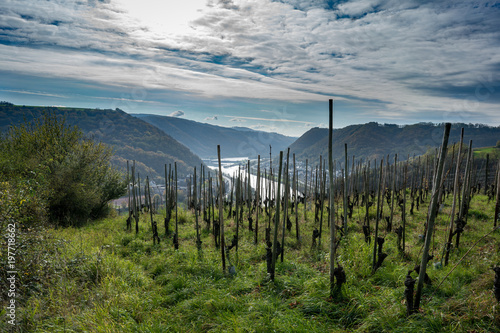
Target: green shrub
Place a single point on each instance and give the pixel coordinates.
(72, 172)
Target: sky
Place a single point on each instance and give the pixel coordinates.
(270, 65)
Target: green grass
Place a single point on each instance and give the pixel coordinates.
(494, 153)
(106, 279)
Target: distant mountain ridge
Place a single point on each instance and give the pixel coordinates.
(375, 141)
(203, 139)
(130, 137)
(133, 137)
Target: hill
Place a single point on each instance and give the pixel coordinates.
(203, 139)
(130, 137)
(375, 141)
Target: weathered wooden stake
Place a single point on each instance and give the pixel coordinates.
(239, 196)
(432, 217)
(377, 219)
(276, 219)
(249, 189)
(322, 184)
(403, 213)
(257, 200)
(221, 212)
(346, 208)
(176, 235)
(466, 184)
(367, 198)
(285, 208)
(447, 246)
(296, 194)
(139, 188)
(497, 205)
(136, 206)
(486, 174)
(129, 218)
(305, 195)
(331, 201)
(154, 227)
(198, 241)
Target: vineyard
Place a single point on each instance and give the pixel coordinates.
(404, 244)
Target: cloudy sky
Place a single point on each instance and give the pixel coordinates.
(264, 64)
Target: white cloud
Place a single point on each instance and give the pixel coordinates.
(211, 118)
(177, 113)
(357, 7)
(237, 120)
(265, 128)
(279, 120)
(39, 93)
(406, 56)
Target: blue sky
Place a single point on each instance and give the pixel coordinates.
(268, 65)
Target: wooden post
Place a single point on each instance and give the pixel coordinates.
(316, 194)
(497, 205)
(285, 208)
(465, 195)
(198, 241)
(296, 191)
(200, 191)
(268, 198)
(139, 188)
(403, 213)
(236, 188)
(221, 212)
(154, 227)
(170, 199)
(249, 188)
(346, 208)
(486, 174)
(134, 194)
(322, 198)
(367, 198)
(305, 195)
(270, 183)
(210, 204)
(377, 219)
(351, 185)
(230, 214)
(136, 205)
(257, 199)
(129, 219)
(211, 213)
(446, 249)
(176, 236)
(166, 199)
(433, 213)
(466, 184)
(331, 201)
(204, 208)
(276, 219)
(293, 185)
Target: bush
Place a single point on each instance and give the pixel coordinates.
(72, 172)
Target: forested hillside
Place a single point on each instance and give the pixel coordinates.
(130, 137)
(202, 138)
(375, 141)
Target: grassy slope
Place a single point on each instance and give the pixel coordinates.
(492, 151)
(114, 281)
